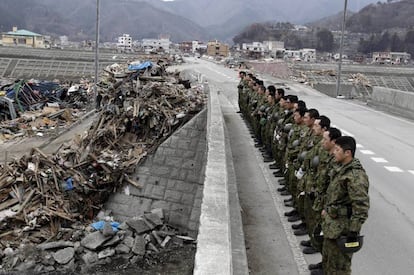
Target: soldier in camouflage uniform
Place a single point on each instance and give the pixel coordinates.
(241, 91)
(306, 143)
(310, 165)
(346, 206)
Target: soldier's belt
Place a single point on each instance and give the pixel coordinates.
(339, 211)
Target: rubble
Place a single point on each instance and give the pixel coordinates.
(29, 108)
(47, 200)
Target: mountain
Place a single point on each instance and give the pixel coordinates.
(225, 18)
(374, 18)
(76, 19)
(333, 22)
(182, 19)
(378, 17)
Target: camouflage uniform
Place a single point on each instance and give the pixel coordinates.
(347, 204)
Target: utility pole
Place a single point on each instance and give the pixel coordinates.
(95, 88)
(341, 48)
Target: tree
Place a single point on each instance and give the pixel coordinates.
(396, 43)
(384, 44)
(325, 40)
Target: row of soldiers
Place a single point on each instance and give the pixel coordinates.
(317, 168)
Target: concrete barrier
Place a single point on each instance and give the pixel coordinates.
(214, 254)
(393, 101)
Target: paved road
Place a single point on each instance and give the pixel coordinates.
(385, 147)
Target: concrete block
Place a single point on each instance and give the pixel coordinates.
(199, 192)
(178, 219)
(182, 175)
(192, 175)
(178, 207)
(195, 214)
(94, 240)
(174, 141)
(147, 190)
(64, 256)
(183, 132)
(159, 159)
(183, 186)
(188, 164)
(171, 184)
(160, 204)
(134, 191)
(139, 246)
(172, 196)
(193, 225)
(161, 171)
(139, 225)
(158, 192)
(145, 206)
(198, 202)
(153, 218)
(175, 161)
(184, 144)
(174, 173)
(187, 199)
(195, 134)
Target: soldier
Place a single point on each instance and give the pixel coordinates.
(346, 207)
(240, 87)
(325, 167)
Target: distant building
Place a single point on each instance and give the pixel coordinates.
(215, 48)
(124, 42)
(395, 58)
(23, 38)
(307, 55)
(186, 46)
(63, 40)
(156, 45)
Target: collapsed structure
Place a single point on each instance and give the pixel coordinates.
(46, 198)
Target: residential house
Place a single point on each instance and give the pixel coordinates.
(23, 38)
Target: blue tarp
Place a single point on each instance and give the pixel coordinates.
(100, 225)
(136, 67)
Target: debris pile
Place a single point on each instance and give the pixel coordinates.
(41, 195)
(29, 108)
(82, 248)
(359, 79)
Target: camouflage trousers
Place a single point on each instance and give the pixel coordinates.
(333, 260)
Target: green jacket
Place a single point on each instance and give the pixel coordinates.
(347, 200)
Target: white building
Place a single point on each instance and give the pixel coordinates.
(395, 58)
(125, 42)
(64, 40)
(307, 55)
(256, 47)
(156, 45)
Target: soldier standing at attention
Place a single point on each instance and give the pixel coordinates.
(346, 207)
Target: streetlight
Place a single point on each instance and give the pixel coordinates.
(95, 88)
(338, 81)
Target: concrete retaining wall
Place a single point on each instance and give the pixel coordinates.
(330, 89)
(172, 179)
(394, 101)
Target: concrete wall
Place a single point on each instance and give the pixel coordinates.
(329, 89)
(172, 179)
(394, 101)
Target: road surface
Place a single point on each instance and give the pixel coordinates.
(385, 147)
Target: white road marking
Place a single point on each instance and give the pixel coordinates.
(367, 152)
(393, 169)
(411, 171)
(344, 132)
(359, 146)
(380, 160)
